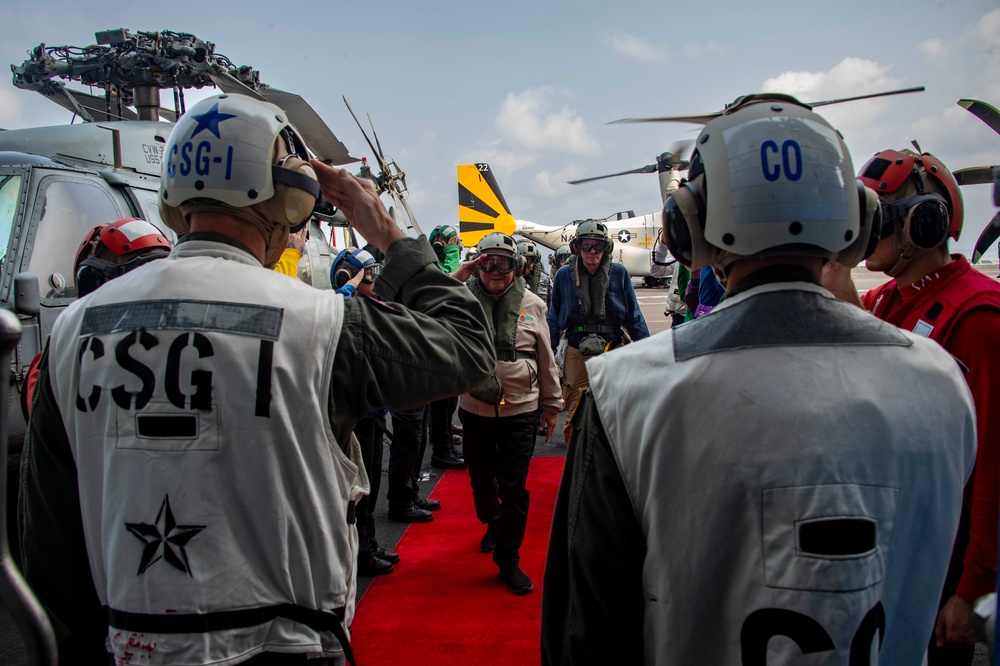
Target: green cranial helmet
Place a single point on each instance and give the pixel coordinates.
(529, 251)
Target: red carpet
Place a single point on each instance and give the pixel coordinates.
(444, 603)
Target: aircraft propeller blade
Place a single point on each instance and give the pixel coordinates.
(979, 175)
(704, 118)
(901, 91)
(649, 168)
(987, 238)
(983, 111)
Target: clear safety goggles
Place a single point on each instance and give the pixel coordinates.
(371, 272)
(497, 263)
(592, 245)
(919, 209)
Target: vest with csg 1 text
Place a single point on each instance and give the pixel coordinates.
(217, 504)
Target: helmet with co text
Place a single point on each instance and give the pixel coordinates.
(770, 177)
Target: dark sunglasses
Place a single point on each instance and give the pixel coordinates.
(497, 263)
(921, 209)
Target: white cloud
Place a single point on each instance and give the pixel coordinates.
(933, 48)
(537, 120)
(630, 47)
(698, 49)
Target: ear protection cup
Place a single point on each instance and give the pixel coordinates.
(869, 228)
(683, 211)
(573, 248)
(296, 192)
(927, 231)
(341, 277)
(519, 268)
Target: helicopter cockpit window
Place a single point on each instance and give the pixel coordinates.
(10, 190)
(71, 209)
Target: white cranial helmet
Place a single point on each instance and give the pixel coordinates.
(240, 155)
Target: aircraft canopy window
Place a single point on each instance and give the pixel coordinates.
(71, 209)
(10, 190)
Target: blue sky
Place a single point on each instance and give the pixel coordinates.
(529, 86)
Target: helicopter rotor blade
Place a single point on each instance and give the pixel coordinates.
(376, 153)
(316, 133)
(375, 136)
(409, 214)
(649, 168)
(230, 85)
(988, 114)
(979, 175)
(987, 238)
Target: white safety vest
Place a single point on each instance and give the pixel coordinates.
(797, 469)
(195, 392)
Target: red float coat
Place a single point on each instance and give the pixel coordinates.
(959, 307)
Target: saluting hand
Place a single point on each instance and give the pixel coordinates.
(359, 201)
(466, 268)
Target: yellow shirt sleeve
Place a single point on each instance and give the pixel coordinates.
(289, 262)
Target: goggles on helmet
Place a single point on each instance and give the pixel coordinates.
(93, 271)
(497, 263)
(597, 245)
(931, 209)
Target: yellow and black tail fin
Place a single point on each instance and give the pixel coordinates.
(481, 206)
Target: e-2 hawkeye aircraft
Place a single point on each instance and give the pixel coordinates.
(482, 210)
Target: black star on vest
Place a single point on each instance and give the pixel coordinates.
(172, 536)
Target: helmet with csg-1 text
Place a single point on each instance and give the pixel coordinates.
(234, 154)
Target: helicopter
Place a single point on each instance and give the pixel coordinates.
(482, 209)
(56, 183)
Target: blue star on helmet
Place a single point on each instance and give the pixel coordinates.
(210, 121)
